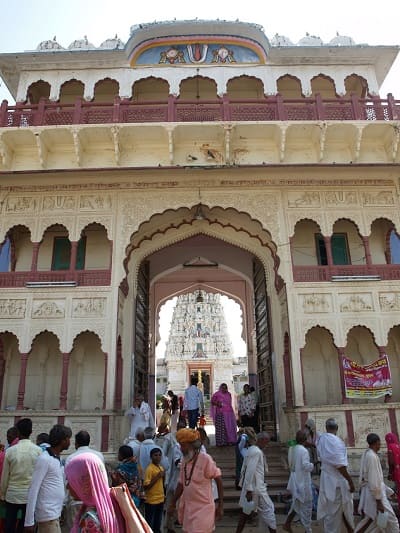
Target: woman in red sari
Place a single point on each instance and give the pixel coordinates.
(224, 417)
(393, 451)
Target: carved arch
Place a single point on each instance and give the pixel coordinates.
(289, 87)
(324, 85)
(245, 86)
(198, 88)
(38, 90)
(150, 88)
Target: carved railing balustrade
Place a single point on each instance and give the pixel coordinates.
(312, 273)
(84, 278)
(271, 108)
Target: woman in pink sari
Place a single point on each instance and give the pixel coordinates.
(224, 417)
(87, 482)
(393, 450)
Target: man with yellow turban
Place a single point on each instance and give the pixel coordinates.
(196, 511)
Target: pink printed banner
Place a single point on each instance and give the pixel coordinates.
(370, 381)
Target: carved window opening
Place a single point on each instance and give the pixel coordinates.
(289, 87)
(5, 255)
(245, 87)
(323, 85)
(394, 248)
(339, 246)
(150, 89)
(70, 91)
(356, 85)
(106, 90)
(36, 91)
(62, 254)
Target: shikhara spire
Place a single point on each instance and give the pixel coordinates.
(198, 329)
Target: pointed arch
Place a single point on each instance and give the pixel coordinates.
(105, 90)
(38, 90)
(151, 88)
(320, 366)
(198, 88)
(356, 84)
(361, 345)
(289, 87)
(71, 90)
(243, 87)
(323, 85)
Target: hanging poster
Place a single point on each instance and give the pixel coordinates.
(370, 381)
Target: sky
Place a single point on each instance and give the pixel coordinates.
(26, 23)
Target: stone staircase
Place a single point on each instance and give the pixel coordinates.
(276, 480)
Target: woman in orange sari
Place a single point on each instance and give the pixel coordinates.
(393, 451)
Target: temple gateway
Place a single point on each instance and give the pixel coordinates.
(199, 158)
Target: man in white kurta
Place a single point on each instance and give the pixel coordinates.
(299, 484)
(252, 481)
(373, 497)
(139, 415)
(335, 501)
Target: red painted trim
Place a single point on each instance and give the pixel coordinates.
(61, 420)
(105, 431)
(350, 428)
(393, 420)
(302, 377)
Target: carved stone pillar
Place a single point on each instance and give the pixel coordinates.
(287, 372)
(340, 361)
(22, 381)
(118, 377)
(367, 251)
(35, 254)
(302, 376)
(74, 253)
(64, 381)
(105, 381)
(328, 248)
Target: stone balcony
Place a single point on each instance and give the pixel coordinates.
(217, 133)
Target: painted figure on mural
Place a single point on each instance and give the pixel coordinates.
(172, 55)
(223, 55)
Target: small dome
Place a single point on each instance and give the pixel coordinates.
(81, 44)
(112, 44)
(310, 40)
(281, 40)
(342, 40)
(49, 45)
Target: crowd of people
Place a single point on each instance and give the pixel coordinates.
(165, 476)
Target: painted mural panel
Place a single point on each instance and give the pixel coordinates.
(197, 53)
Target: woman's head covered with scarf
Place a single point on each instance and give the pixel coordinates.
(391, 438)
(87, 480)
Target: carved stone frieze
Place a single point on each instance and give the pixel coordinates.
(389, 301)
(105, 221)
(48, 308)
(355, 302)
(365, 422)
(341, 198)
(12, 308)
(59, 203)
(316, 303)
(304, 199)
(88, 307)
(95, 202)
(378, 198)
(21, 204)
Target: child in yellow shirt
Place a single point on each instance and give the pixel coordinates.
(153, 485)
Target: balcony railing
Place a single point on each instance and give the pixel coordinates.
(311, 273)
(84, 278)
(271, 108)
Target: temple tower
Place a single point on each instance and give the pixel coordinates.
(199, 344)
